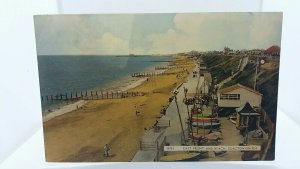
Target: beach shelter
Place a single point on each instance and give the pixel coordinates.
(247, 116)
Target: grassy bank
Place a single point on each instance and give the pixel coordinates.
(221, 67)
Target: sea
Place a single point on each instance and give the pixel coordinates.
(65, 74)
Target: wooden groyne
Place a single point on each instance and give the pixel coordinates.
(166, 67)
(149, 74)
(91, 95)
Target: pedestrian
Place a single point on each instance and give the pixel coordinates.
(186, 90)
(106, 150)
(206, 103)
(156, 122)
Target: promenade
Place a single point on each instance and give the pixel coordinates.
(172, 134)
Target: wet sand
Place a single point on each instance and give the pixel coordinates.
(63, 110)
(80, 135)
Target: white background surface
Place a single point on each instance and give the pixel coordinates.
(21, 136)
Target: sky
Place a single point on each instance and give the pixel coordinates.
(123, 34)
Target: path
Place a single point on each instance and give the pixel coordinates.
(241, 66)
(173, 133)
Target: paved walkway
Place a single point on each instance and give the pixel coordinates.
(172, 134)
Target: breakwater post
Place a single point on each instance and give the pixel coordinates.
(91, 95)
(149, 74)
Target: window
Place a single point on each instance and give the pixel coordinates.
(230, 97)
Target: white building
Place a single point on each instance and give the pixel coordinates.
(238, 95)
(203, 67)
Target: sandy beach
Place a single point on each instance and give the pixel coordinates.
(81, 134)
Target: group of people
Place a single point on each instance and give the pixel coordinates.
(205, 100)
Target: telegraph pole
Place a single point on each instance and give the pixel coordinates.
(255, 77)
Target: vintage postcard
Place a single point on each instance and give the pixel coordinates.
(159, 87)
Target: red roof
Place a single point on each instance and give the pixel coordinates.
(273, 50)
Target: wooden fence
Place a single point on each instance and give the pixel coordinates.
(271, 128)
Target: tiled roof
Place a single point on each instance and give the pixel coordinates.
(236, 86)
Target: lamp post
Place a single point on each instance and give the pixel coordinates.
(190, 127)
(180, 118)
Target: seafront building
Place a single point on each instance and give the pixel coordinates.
(238, 95)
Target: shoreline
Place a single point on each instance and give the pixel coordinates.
(79, 136)
(65, 109)
(123, 84)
